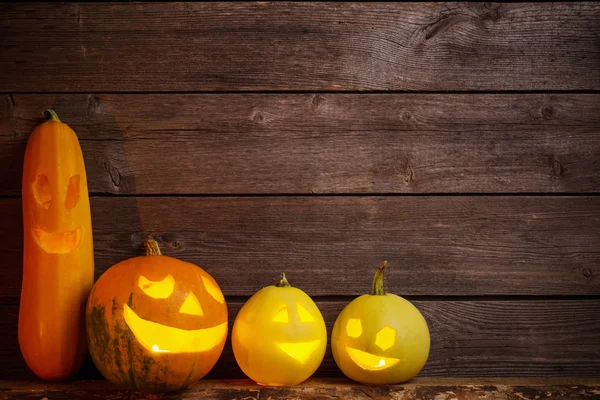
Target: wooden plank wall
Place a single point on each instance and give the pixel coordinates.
(459, 141)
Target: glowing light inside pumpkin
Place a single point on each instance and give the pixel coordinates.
(157, 350)
(370, 362)
(57, 242)
(304, 315)
(157, 290)
(213, 290)
(300, 351)
(191, 306)
(354, 328)
(72, 192)
(385, 338)
(282, 315)
(165, 339)
(42, 191)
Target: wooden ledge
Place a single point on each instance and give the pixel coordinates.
(419, 388)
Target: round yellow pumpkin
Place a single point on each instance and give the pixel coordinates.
(380, 338)
(155, 323)
(279, 336)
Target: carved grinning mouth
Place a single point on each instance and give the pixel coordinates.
(159, 338)
(369, 361)
(57, 242)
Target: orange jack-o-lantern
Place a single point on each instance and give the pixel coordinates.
(155, 323)
(58, 255)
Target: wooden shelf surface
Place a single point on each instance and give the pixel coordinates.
(419, 388)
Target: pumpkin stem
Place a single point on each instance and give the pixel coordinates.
(152, 248)
(52, 114)
(283, 282)
(377, 286)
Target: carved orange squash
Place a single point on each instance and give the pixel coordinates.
(58, 255)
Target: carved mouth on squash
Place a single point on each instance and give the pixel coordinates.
(369, 361)
(57, 242)
(159, 338)
(300, 351)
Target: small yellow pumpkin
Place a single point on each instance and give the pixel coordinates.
(279, 336)
(380, 338)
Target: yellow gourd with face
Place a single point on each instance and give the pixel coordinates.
(279, 336)
(380, 338)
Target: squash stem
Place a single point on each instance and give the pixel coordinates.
(377, 286)
(152, 248)
(283, 282)
(52, 114)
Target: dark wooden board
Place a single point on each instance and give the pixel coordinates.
(325, 143)
(468, 338)
(323, 389)
(440, 245)
(299, 46)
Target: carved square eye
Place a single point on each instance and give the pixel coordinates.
(157, 290)
(354, 328)
(42, 191)
(72, 192)
(385, 338)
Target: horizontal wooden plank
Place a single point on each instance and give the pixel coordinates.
(299, 46)
(417, 389)
(455, 245)
(325, 143)
(468, 339)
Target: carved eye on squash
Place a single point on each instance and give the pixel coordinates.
(166, 315)
(380, 338)
(291, 331)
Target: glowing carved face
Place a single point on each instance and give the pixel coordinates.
(380, 340)
(290, 330)
(384, 340)
(164, 318)
(160, 338)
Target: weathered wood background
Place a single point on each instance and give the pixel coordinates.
(459, 141)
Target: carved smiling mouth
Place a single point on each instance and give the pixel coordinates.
(370, 361)
(57, 242)
(159, 338)
(300, 351)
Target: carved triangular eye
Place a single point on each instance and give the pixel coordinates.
(72, 192)
(282, 315)
(304, 315)
(213, 290)
(191, 306)
(42, 192)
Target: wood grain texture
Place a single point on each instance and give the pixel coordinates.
(325, 143)
(441, 245)
(468, 339)
(323, 389)
(299, 46)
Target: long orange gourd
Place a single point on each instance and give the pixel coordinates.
(58, 255)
